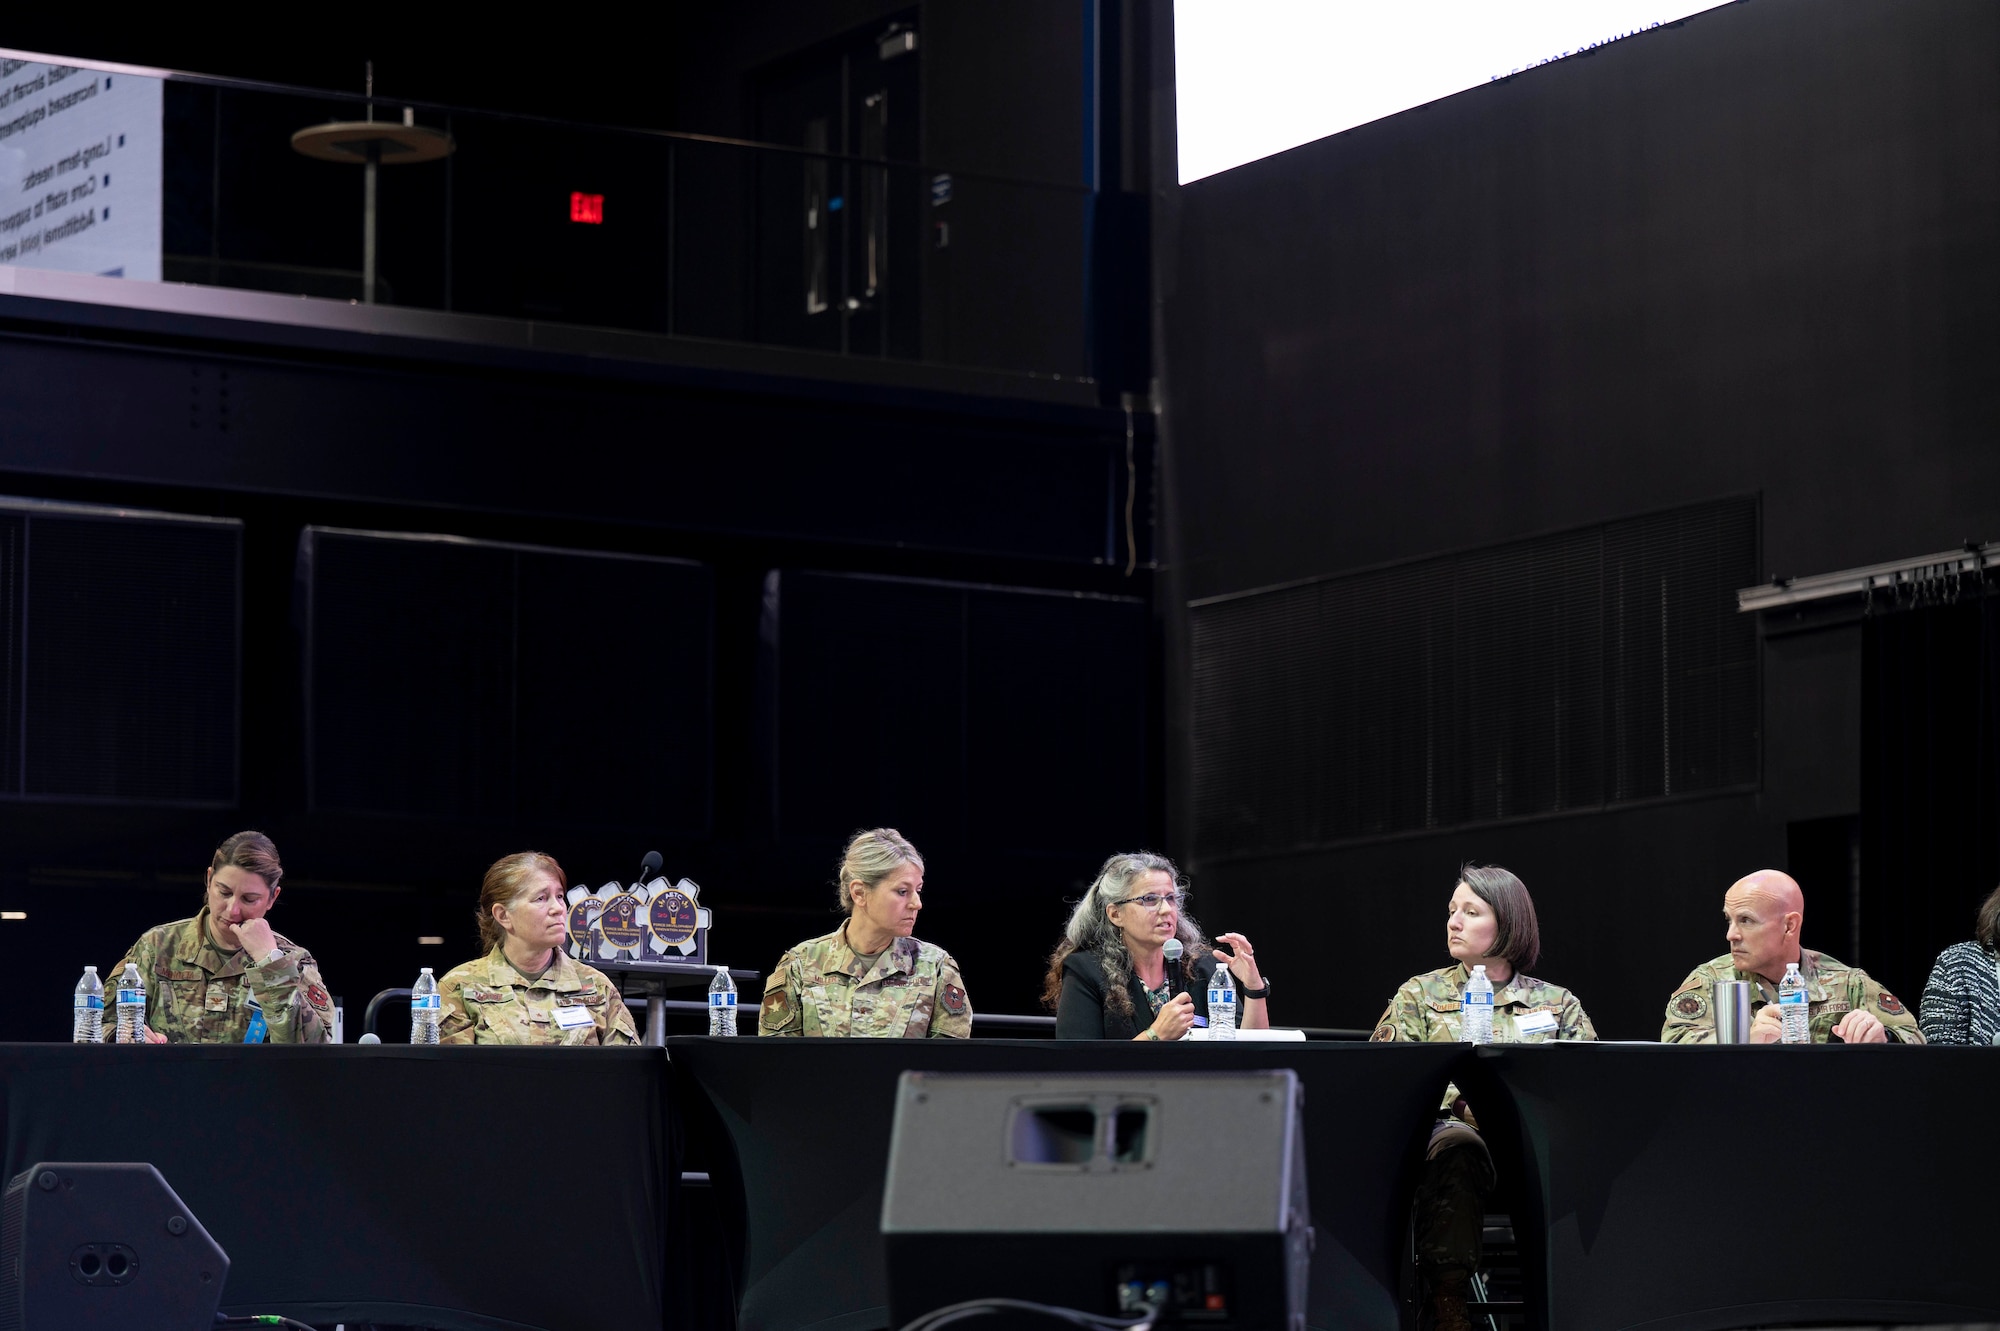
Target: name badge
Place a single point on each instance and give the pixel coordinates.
(573, 1018)
(1536, 1025)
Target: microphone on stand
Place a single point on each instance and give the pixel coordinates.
(1171, 950)
(648, 867)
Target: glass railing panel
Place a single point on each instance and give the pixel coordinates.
(527, 218)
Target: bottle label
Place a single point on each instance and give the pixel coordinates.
(1475, 999)
(426, 1003)
(131, 998)
(1219, 997)
(721, 998)
(1793, 1000)
(90, 1002)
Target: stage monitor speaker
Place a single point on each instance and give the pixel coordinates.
(104, 1247)
(1111, 1194)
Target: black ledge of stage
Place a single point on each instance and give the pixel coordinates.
(121, 308)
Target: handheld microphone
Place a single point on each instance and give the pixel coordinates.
(1172, 950)
(648, 867)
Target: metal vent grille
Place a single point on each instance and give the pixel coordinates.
(1590, 668)
(472, 680)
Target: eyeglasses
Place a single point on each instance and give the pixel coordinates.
(1154, 900)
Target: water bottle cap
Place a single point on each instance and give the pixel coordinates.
(425, 971)
(1479, 970)
(90, 970)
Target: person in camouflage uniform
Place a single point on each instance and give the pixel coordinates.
(1766, 913)
(870, 977)
(209, 978)
(1492, 924)
(525, 990)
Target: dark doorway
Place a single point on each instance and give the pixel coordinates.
(837, 234)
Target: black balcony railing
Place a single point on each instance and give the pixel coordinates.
(647, 231)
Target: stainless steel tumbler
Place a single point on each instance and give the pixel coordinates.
(1732, 1011)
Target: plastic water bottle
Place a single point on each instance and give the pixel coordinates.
(1793, 1008)
(722, 1003)
(1477, 1008)
(1221, 1004)
(131, 1006)
(89, 1008)
(425, 1007)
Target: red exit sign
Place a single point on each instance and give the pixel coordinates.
(587, 208)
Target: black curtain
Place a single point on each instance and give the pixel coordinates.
(1930, 783)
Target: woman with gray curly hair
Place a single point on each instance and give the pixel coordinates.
(1108, 980)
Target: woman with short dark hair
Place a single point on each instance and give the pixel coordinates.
(1961, 1003)
(1492, 924)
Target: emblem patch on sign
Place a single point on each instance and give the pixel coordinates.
(953, 999)
(1891, 1004)
(1691, 1006)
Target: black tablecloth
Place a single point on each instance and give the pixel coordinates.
(1701, 1189)
(467, 1188)
(808, 1123)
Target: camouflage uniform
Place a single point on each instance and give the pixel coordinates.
(1425, 1010)
(822, 987)
(1450, 1203)
(1832, 991)
(489, 1002)
(198, 994)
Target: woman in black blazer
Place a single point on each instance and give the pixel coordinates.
(1107, 979)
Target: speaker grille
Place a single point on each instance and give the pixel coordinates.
(474, 680)
(1577, 671)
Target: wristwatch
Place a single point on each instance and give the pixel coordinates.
(1265, 992)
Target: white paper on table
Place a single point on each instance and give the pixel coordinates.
(1248, 1034)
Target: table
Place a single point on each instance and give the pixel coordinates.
(796, 1135)
(1683, 1188)
(476, 1188)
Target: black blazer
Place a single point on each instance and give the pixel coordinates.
(1081, 1014)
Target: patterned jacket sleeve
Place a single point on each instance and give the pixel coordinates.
(1885, 1007)
(1689, 1020)
(1945, 1014)
(1575, 1022)
(619, 1028)
(1403, 1019)
(781, 1013)
(951, 1010)
(456, 1024)
(296, 1007)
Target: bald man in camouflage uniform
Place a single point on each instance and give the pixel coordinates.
(822, 987)
(488, 1001)
(1765, 913)
(198, 993)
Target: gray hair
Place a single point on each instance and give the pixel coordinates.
(1090, 928)
(870, 857)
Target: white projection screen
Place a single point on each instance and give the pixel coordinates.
(1255, 77)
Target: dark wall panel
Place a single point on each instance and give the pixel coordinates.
(468, 681)
(124, 671)
(1009, 720)
(509, 436)
(1740, 255)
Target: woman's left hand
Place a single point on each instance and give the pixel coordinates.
(1242, 960)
